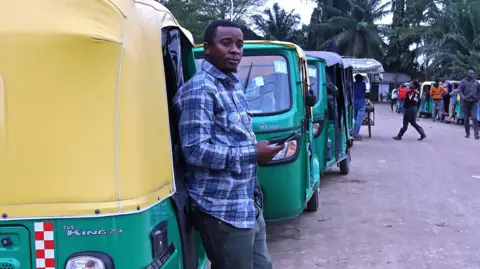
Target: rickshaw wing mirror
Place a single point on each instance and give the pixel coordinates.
(310, 98)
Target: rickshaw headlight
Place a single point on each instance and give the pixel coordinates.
(85, 262)
(289, 150)
(316, 128)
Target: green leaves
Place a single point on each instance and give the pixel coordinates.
(351, 25)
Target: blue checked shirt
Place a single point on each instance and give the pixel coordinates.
(218, 145)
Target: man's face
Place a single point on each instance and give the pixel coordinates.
(471, 74)
(226, 50)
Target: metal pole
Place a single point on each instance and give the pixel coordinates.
(231, 10)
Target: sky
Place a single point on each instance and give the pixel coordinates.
(305, 9)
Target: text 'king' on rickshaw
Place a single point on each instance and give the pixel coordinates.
(86, 166)
(274, 76)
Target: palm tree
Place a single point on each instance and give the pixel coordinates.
(278, 24)
(451, 43)
(354, 31)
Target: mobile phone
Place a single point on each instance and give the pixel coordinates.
(285, 139)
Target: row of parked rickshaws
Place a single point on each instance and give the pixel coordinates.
(89, 154)
(427, 107)
(307, 93)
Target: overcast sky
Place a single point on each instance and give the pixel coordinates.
(305, 9)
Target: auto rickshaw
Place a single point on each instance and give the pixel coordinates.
(332, 110)
(452, 86)
(426, 100)
(88, 176)
(274, 76)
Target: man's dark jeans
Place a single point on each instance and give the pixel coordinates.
(470, 110)
(229, 247)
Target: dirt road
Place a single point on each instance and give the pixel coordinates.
(405, 205)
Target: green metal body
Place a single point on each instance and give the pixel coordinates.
(125, 238)
(326, 124)
(287, 187)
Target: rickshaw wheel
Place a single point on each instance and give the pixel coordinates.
(313, 203)
(345, 166)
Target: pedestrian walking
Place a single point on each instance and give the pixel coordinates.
(436, 92)
(394, 100)
(359, 105)
(469, 90)
(453, 103)
(410, 111)
(221, 153)
(402, 91)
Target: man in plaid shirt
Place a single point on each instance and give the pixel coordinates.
(221, 153)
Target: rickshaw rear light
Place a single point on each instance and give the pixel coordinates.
(82, 262)
(89, 260)
(289, 150)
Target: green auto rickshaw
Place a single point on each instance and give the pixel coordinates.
(89, 166)
(426, 100)
(274, 76)
(333, 111)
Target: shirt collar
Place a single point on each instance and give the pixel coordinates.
(217, 73)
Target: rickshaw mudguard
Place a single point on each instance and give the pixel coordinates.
(87, 161)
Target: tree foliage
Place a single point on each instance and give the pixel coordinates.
(195, 15)
(279, 24)
(352, 26)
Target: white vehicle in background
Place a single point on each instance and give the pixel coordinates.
(365, 67)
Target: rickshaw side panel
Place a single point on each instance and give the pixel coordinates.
(111, 235)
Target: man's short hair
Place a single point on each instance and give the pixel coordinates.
(211, 29)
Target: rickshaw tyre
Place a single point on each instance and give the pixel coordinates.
(313, 203)
(345, 166)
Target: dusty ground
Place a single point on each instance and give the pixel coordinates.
(405, 205)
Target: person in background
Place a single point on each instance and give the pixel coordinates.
(394, 100)
(402, 91)
(453, 103)
(436, 92)
(469, 91)
(359, 105)
(410, 113)
(221, 155)
(446, 97)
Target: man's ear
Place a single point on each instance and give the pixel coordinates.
(207, 48)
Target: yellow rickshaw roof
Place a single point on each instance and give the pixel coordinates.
(85, 126)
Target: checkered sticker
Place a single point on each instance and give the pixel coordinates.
(44, 245)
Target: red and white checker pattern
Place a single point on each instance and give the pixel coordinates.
(44, 245)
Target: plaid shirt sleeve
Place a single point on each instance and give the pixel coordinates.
(197, 119)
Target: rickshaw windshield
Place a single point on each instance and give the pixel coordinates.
(313, 77)
(268, 90)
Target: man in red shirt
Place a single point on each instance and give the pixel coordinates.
(402, 92)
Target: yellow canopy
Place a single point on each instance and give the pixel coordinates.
(83, 110)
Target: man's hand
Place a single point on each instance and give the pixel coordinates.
(265, 152)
